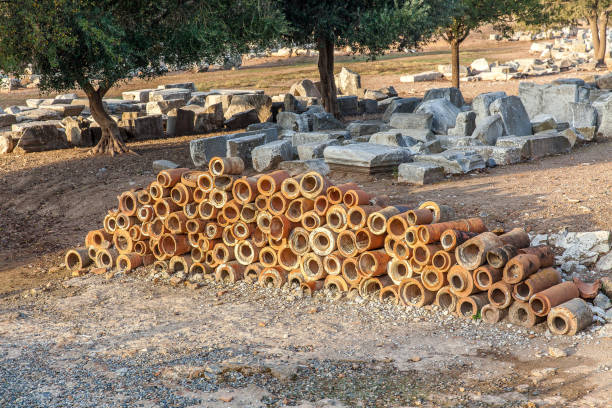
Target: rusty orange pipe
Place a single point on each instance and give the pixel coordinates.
(336, 217)
(486, 275)
(123, 241)
(219, 166)
(312, 185)
(128, 203)
(492, 315)
(423, 253)
(399, 270)
(543, 279)
(469, 306)
(442, 261)
(230, 272)
(543, 301)
(252, 272)
(433, 232)
(355, 197)
(277, 204)
(373, 263)
(335, 194)
(413, 293)
(350, 271)
(270, 183)
(169, 177)
(499, 257)
(181, 194)
(308, 288)
(500, 294)
(158, 192)
(371, 287)
(176, 222)
(311, 220)
(446, 299)
(461, 281)
(333, 263)
(127, 262)
(451, 239)
(433, 279)
(520, 267)
(164, 207)
(419, 217)
(389, 294)
(299, 241)
(290, 188)
(297, 208)
(205, 182)
(521, 314)
(357, 217)
(77, 259)
(281, 226)
(245, 190)
(347, 244)
(321, 205)
(366, 241)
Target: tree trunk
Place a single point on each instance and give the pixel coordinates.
(325, 47)
(594, 25)
(455, 62)
(110, 142)
(603, 25)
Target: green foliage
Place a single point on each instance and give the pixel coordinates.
(89, 43)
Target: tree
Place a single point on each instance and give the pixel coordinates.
(366, 26)
(596, 13)
(470, 15)
(95, 44)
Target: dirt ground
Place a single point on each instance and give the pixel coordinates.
(128, 341)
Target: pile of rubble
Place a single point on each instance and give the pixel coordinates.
(274, 230)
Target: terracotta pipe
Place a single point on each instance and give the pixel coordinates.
(181, 194)
(357, 217)
(521, 314)
(446, 299)
(158, 192)
(169, 177)
(212, 230)
(142, 248)
(350, 271)
(412, 236)
(371, 287)
(208, 244)
(165, 207)
(223, 183)
(492, 315)
(373, 263)
(205, 182)
(423, 253)
(500, 294)
(222, 253)
(442, 261)
(263, 221)
(127, 262)
(299, 241)
(288, 259)
(268, 257)
(252, 272)
(499, 257)
(248, 213)
(389, 294)
(486, 275)
(570, 317)
(520, 267)
(172, 244)
(469, 306)
(277, 244)
(419, 217)
(197, 254)
(144, 197)
(543, 301)
(210, 261)
(336, 286)
(297, 208)
(160, 266)
(194, 239)
(389, 245)
(219, 166)
(472, 253)
(366, 241)
(190, 178)
(308, 288)
(347, 244)
(207, 211)
(246, 252)
(261, 203)
(99, 239)
(77, 259)
(311, 220)
(377, 221)
(433, 279)
(313, 185)
(277, 204)
(335, 194)
(222, 221)
(245, 190)
(295, 279)
(270, 183)
(461, 281)
(544, 253)
(241, 230)
(441, 212)
(280, 227)
(124, 222)
(543, 279)
(353, 292)
(230, 272)
(144, 230)
(413, 293)
(312, 267)
(260, 238)
(432, 232)
(587, 290)
(191, 210)
(451, 239)
(106, 258)
(231, 211)
(336, 217)
(399, 270)
(401, 250)
(290, 188)
(158, 253)
(227, 237)
(218, 198)
(198, 268)
(273, 277)
(128, 203)
(123, 241)
(417, 268)
(323, 241)
(195, 226)
(321, 205)
(333, 263)
(355, 197)
(145, 213)
(176, 223)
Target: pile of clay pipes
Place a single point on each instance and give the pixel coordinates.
(273, 229)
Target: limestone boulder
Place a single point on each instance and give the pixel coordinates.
(444, 114)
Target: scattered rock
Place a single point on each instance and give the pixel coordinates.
(159, 165)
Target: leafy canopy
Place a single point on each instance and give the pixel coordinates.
(101, 42)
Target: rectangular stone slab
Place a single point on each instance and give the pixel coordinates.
(366, 157)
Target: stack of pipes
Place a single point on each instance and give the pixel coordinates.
(273, 229)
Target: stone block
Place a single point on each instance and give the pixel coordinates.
(163, 107)
(536, 146)
(420, 173)
(444, 114)
(357, 129)
(243, 146)
(481, 103)
(411, 120)
(325, 121)
(180, 85)
(7, 119)
(140, 95)
(489, 130)
(314, 150)
(399, 105)
(465, 124)
(262, 104)
(422, 77)
(348, 82)
(513, 115)
(366, 157)
(388, 138)
(454, 161)
(159, 165)
(241, 120)
(300, 138)
(453, 95)
(168, 94)
(267, 157)
(148, 127)
(551, 99)
(542, 123)
(293, 121)
(368, 106)
(7, 144)
(295, 167)
(583, 114)
(305, 87)
(348, 105)
(40, 138)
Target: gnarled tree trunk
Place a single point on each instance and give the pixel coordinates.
(325, 47)
(598, 25)
(110, 142)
